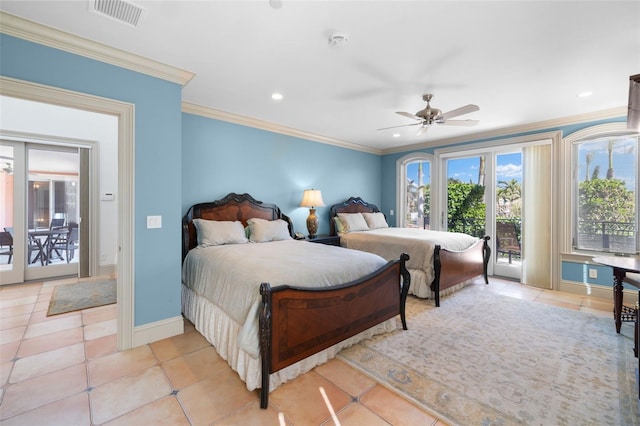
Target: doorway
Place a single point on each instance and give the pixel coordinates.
(122, 115)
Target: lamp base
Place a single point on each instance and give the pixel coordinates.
(312, 223)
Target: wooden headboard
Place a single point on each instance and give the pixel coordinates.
(352, 205)
(232, 207)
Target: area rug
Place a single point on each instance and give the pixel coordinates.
(486, 359)
(84, 295)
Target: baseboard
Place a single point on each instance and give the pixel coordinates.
(158, 330)
(110, 270)
(630, 297)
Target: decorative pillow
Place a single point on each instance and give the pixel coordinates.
(219, 232)
(375, 220)
(353, 222)
(262, 231)
(338, 223)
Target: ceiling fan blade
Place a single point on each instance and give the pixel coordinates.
(460, 122)
(459, 111)
(409, 115)
(403, 125)
(422, 131)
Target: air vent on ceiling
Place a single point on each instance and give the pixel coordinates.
(120, 10)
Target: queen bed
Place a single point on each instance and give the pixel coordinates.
(274, 307)
(440, 263)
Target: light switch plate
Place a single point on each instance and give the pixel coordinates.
(593, 273)
(154, 222)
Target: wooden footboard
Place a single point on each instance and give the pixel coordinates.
(454, 267)
(298, 322)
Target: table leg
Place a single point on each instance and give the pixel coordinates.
(617, 297)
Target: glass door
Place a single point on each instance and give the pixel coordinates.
(52, 211)
(39, 210)
(484, 198)
(507, 255)
(12, 244)
(465, 188)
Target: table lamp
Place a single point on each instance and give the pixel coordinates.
(312, 198)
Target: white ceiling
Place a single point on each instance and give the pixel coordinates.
(520, 62)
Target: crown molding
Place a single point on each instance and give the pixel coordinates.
(505, 131)
(203, 111)
(48, 36)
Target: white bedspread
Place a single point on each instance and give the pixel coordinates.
(419, 244)
(229, 276)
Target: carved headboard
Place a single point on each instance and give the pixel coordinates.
(352, 205)
(241, 207)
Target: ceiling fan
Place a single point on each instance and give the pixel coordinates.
(429, 115)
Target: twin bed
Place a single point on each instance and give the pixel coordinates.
(275, 307)
(441, 262)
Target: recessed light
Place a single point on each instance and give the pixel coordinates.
(396, 135)
(585, 94)
(276, 96)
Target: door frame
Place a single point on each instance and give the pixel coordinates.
(126, 168)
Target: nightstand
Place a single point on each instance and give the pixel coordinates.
(325, 239)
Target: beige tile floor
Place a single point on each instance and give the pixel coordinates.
(66, 370)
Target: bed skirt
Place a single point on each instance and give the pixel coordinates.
(421, 286)
(222, 331)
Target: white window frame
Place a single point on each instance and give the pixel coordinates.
(568, 175)
(401, 182)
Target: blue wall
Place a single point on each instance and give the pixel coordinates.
(158, 122)
(220, 157)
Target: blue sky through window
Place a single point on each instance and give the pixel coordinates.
(508, 166)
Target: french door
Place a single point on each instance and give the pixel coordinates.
(42, 204)
(483, 197)
(505, 192)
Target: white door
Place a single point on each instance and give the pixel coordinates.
(12, 247)
(40, 204)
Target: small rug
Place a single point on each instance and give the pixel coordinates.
(74, 297)
(487, 359)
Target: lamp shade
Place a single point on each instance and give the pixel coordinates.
(312, 198)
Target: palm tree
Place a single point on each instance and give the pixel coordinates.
(589, 158)
(481, 170)
(509, 191)
(610, 172)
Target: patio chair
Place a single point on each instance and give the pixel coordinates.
(6, 240)
(508, 239)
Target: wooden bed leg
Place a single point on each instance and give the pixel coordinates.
(406, 282)
(437, 266)
(265, 342)
(486, 256)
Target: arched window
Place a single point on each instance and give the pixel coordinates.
(603, 189)
(414, 190)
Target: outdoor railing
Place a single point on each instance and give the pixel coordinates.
(607, 235)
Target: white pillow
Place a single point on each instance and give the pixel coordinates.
(219, 232)
(375, 220)
(262, 230)
(353, 222)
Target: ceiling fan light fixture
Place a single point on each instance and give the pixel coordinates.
(338, 40)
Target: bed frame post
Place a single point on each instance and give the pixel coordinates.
(404, 291)
(486, 256)
(265, 342)
(437, 266)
